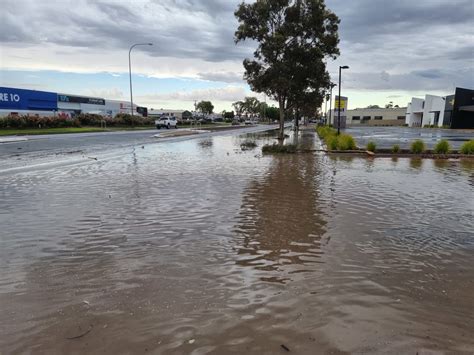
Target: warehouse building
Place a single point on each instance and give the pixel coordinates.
(15, 101)
(372, 116)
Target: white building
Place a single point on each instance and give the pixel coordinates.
(426, 112)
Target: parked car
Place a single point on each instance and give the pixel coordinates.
(166, 122)
(248, 122)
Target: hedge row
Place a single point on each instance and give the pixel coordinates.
(78, 121)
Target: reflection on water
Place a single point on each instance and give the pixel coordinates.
(201, 247)
(280, 223)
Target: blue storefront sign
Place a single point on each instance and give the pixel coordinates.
(20, 99)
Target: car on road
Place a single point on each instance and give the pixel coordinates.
(166, 122)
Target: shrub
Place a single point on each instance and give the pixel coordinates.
(248, 145)
(395, 148)
(371, 146)
(346, 142)
(278, 148)
(442, 147)
(468, 147)
(325, 131)
(332, 143)
(417, 146)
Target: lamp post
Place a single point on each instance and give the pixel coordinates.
(130, 71)
(339, 102)
(330, 104)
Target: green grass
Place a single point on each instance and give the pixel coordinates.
(468, 147)
(371, 146)
(395, 148)
(35, 131)
(442, 147)
(418, 146)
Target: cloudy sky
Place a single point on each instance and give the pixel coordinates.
(395, 49)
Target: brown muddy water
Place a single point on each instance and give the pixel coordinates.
(197, 247)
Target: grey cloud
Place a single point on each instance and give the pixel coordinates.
(434, 80)
(225, 77)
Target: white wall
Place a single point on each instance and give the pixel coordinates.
(415, 112)
(433, 104)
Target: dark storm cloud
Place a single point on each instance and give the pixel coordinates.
(427, 40)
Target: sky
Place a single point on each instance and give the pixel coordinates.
(396, 49)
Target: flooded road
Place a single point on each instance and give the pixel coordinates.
(197, 246)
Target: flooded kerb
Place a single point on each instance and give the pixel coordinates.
(200, 246)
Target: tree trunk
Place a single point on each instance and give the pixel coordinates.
(297, 120)
(281, 133)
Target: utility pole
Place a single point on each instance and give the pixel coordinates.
(339, 101)
(130, 72)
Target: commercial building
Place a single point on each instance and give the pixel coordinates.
(20, 101)
(454, 111)
(15, 101)
(372, 116)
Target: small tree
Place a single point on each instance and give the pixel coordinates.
(205, 107)
(239, 107)
(294, 38)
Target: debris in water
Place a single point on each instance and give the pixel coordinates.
(191, 341)
(86, 302)
(93, 158)
(285, 347)
(81, 335)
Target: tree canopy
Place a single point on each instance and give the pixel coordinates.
(295, 37)
(205, 107)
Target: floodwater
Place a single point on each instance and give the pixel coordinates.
(387, 137)
(198, 246)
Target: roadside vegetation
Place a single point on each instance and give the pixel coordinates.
(395, 148)
(371, 146)
(417, 146)
(442, 147)
(468, 147)
(334, 141)
(87, 120)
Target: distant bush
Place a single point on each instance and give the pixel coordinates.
(468, 147)
(37, 122)
(442, 147)
(278, 148)
(248, 145)
(371, 146)
(345, 142)
(395, 148)
(418, 146)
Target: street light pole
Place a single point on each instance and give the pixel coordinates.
(339, 102)
(330, 104)
(130, 71)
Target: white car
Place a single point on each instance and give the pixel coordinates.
(166, 122)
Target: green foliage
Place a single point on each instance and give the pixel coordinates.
(38, 122)
(331, 142)
(371, 146)
(442, 147)
(248, 145)
(417, 146)
(295, 38)
(335, 142)
(346, 142)
(205, 107)
(279, 148)
(395, 148)
(325, 131)
(229, 115)
(468, 147)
